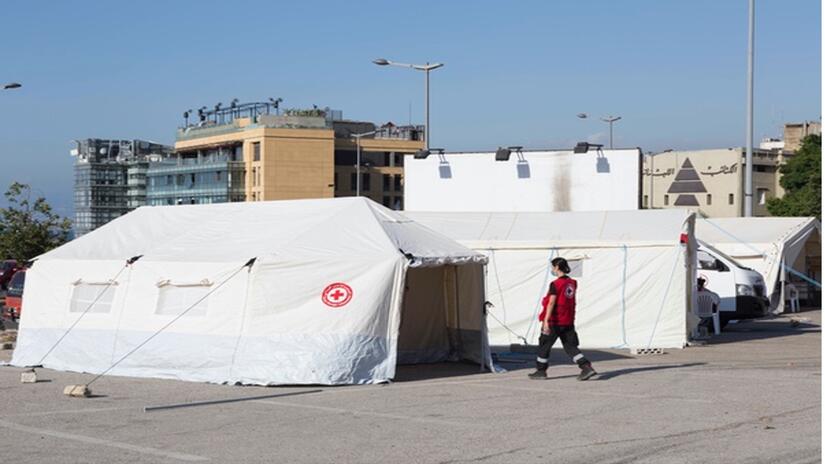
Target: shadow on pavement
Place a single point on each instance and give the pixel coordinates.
(634, 370)
(413, 372)
(761, 329)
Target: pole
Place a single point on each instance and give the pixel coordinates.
(611, 133)
(358, 166)
(749, 135)
(427, 106)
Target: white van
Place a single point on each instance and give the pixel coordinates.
(741, 289)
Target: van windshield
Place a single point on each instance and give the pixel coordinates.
(707, 248)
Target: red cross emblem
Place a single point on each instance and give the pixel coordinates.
(336, 295)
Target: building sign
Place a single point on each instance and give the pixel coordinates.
(686, 184)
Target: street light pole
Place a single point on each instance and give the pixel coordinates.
(358, 160)
(749, 130)
(427, 108)
(610, 120)
(418, 67)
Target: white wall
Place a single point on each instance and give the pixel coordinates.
(539, 181)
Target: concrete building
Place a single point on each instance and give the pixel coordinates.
(110, 178)
(297, 154)
(795, 132)
(711, 181)
(382, 160)
(509, 180)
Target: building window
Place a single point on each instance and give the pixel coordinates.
(710, 199)
(644, 201)
(399, 159)
(256, 151)
(398, 182)
(386, 158)
(254, 176)
(730, 198)
(386, 201)
(353, 181)
(762, 195)
(386, 178)
(335, 180)
(667, 200)
(365, 182)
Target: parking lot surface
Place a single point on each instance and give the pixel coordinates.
(752, 395)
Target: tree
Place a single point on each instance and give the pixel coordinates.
(29, 229)
(802, 181)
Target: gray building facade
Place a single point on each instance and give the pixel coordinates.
(110, 178)
(214, 175)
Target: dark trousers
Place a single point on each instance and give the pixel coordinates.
(569, 341)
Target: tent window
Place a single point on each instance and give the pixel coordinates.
(576, 267)
(84, 294)
(172, 300)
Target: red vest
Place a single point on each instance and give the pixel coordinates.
(564, 312)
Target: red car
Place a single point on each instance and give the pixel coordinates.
(14, 296)
(7, 269)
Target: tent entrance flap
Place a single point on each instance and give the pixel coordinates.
(441, 315)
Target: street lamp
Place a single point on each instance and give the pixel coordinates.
(609, 120)
(418, 67)
(749, 123)
(12, 85)
(358, 160)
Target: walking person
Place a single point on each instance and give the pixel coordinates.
(557, 322)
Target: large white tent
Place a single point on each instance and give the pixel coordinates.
(341, 290)
(769, 245)
(635, 269)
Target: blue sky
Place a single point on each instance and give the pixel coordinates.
(516, 73)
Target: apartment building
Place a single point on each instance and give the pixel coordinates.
(711, 181)
(110, 178)
(308, 153)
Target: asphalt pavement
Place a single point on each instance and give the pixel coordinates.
(752, 395)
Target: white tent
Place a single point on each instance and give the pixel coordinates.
(340, 292)
(635, 276)
(767, 244)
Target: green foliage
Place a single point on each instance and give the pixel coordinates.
(802, 181)
(29, 228)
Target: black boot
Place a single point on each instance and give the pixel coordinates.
(587, 372)
(538, 375)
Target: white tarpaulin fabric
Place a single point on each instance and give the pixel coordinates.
(327, 300)
(635, 277)
(762, 243)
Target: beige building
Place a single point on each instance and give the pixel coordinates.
(795, 132)
(300, 154)
(382, 161)
(710, 181)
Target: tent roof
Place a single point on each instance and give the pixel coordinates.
(748, 236)
(572, 229)
(333, 228)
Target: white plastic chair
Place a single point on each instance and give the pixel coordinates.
(794, 297)
(706, 307)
